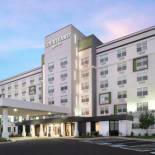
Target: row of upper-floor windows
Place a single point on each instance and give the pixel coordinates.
(63, 64)
(105, 98)
(30, 90)
(63, 89)
(23, 83)
(63, 77)
(123, 81)
(122, 52)
(63, 100)
(139, 64)
(24, 98)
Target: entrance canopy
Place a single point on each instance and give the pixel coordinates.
(24, 108)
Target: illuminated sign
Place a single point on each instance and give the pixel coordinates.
(57, 41)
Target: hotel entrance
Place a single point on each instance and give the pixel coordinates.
(113, 128)
(69, 129)
(57, 130)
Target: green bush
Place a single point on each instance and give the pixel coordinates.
(3, 140)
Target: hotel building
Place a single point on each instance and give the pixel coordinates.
(82, 86)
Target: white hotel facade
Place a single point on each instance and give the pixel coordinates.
(83, 86)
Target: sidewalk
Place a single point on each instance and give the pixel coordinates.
(14, 139)
(102, 138)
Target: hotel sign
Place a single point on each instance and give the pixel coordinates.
(57, 41)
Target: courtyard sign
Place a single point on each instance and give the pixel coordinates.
(58, 41)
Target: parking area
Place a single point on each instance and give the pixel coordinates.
(134, 145)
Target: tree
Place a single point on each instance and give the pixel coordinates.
(146, 120)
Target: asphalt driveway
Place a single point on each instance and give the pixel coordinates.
(61, 147)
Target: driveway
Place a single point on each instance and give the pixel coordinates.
(62, 147)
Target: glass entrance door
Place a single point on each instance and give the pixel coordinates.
(113, 128)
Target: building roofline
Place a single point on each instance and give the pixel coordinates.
(62, 29)
(127, 36)
(20, 74)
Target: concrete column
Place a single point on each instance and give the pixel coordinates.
(52, 133)
(32, 130)
(62, 130)
(41, 133)
(103, 128)
(47, 130)
(88, 127)
(24, 131)
(5, 133)
(76, 130)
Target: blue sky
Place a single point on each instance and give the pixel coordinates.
(24, 23)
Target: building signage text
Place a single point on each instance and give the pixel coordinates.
(57, 41)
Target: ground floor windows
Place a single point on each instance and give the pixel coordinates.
(143, 106)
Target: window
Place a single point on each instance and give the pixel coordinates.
(141, 92)
(84, 74)
(50, 79)
(122, 94)
(63, 63)
(40, 97)
(142, 106)
(103, 59)
(32, 99)
(120, 109)
(50, 90)
(121, 53)
(50, 101)
(32, 90)
(63, 89)
(141, 78)
(9, 88)
(40, 88)
(121, 82)
(63, 76)
(23, 93)
(85, 86)
(104, 110)
(63, 100)
(85, 61)
(23, 83)
(140, 63)
(121, 67)
(51, 67)
(104, 72)
(9, 96)
(85, 111)
(85, 98)
(32, 81)
(16, 94)
(40, 78)
(105, 98)
(141, 47)
(16, 85)
(104, 84)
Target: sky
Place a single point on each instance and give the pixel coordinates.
(25, 23)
